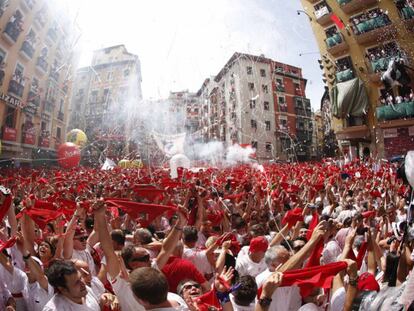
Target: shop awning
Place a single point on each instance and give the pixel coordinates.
(349, 98)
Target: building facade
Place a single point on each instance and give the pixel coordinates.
(256, 101)
(106, 97)
(36, 68)
(358, 40)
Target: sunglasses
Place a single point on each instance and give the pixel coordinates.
(144, 258)
(82, 238)
(189, 286)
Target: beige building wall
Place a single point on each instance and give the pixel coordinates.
(370, 132)
(37, 61)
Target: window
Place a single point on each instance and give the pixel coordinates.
(106, 95)
(249, 70)
(110, 76)
(265, 89)
(43, 126)
(252, 104)
(253, 124)
(58, 133)
(255, 144)
(279, 69)
(10, 117)
(262, 73)
(268, 147)
(281, 100)
(2, 55)
(251, 86)
(266, 106)
(279, 82)
(94, 97)
(297, 86)
(267, 125)
(126, 72)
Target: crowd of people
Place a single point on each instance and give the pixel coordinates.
(300, 236)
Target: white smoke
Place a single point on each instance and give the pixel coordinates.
(237, 154)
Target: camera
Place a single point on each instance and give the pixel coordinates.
(361, 230)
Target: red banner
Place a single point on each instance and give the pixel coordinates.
(29, 138)
(44, 142)
(9, 134)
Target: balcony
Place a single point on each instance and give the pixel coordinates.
(323, 16)
(27, 50)
(44, 142)
(28, 5)
(29, 137)
(52, 34)
(336, 45)
(280, 88)
(9, 134)
(61, 116)
(16, 88)
(41, 65)
(374, 30)
(12, 32)
(351, 6)
(54, 75)
(49, 105)
(399, 111)
(407, 14)
(344, 75)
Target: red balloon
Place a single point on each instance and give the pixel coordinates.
(68, 155)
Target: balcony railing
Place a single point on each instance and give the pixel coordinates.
(407, 12)
(280, 88)
(371, 24)
(42, 64)
(16, 88)
(334, 40)
(323, 15)
(28, 49)
(397, 111)
(344, 75)
(52, 34)
(350, 6)
(380, 64)
(54, 75)
(12, 31)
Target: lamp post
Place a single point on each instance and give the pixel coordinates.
(304, 12)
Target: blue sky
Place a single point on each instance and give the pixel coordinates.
(182, 42)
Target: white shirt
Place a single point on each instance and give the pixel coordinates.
(245, 266)
(338, 300)
(286, 299)
(38, 297)
(61, 303)
(128, 302)
(85, 256)
(237, 307)
(262, 277)
(199, 259)
(97, 287)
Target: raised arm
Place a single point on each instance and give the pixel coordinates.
(296, 260)
(172, 239)
(70, 234)
(112, 262)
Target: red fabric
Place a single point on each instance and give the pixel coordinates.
(144, 213)
(368, 214)
(42, 216)
(315, 257)
(314, 222)
(361, 254)
(292, 217)
(367, 282)
(9, 243)
(178, 269)
(4, 208)
(258, 244)
(309, 278)
(149, 192)
(208, 300)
